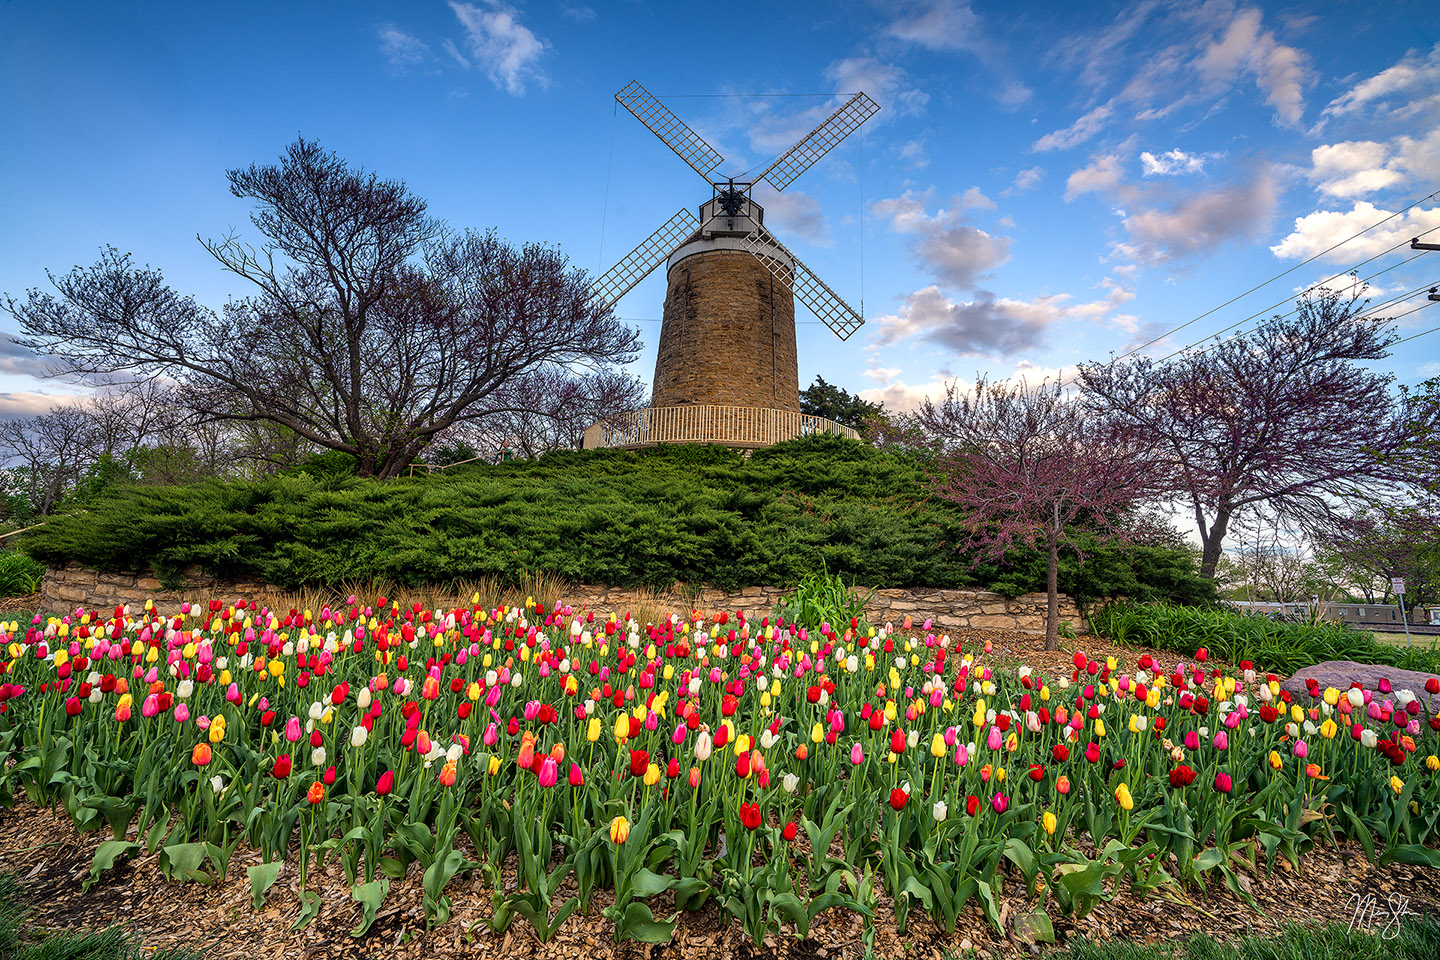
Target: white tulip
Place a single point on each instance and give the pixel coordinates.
(358, 736)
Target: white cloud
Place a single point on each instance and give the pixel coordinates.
(886, 84)
(942, 25)
(1078, 132)
(577, 12)
(20, 404)
(973, 199)
(904, 398)
(913, 155)
(1027, 179)
(882, 375)
(1281, 72)
(985, 326)
(1419, 158)
(400, 50)
(1414, 79)
(958, 252)
(1353, 168)
(794, 212)
(1199, 222)
(1173, 162)
(505, 48)
(1324, 228)
(1103, 173)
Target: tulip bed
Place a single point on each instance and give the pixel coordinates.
(778, 770)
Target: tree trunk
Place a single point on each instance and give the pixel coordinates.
(1212, 541)
(1052, 587)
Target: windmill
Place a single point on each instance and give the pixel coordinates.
(727, 335)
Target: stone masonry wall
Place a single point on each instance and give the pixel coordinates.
(74, 586)
(728, 335)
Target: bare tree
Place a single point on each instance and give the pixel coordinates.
(46, 456)
(1027, 465)
(372, 328)
(1284, 418)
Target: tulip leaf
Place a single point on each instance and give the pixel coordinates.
(647, 883)
(638, 923)
(1035, 927)
(105, 856)
(1411, 854)
(310, 904)
(262, 878)
(370, 896)
(184, 861)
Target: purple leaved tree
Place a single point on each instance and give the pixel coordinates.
(1288, 419)
(1026, 465)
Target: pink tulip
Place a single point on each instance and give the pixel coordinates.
(995, 741)
(182, 713)
(292, 729)
(678, 737)
(857, 755)
(1300, 749)
(1221, 740)
(999, 803)
(577, 776)
(549, 772)
(491, 736)
(1192, 740)
(962, 756)
(150, 706)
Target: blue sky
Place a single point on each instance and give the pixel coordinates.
(1047, 183)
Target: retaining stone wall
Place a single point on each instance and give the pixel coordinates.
(75, 586)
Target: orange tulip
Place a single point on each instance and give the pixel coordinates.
(316, 792)
(447, 774)
(200, 756)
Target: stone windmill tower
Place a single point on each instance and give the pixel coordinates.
(726, 370)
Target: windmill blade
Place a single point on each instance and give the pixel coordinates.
(637, 264)
(671, 129)
(809, 289)
(819, 141)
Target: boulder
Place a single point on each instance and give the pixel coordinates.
(1341, 674)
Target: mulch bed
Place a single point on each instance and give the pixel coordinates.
(53, 859)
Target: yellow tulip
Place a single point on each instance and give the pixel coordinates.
(937, 745)
(619, 830)
(1432, 763)
(1048, 822)
(493, 767)
(1397, 784)
(1274, 760)
(652, 775)
(622, 728)
(1122, 797)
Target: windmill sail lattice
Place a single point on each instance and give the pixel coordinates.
(819, 141)
(691, 147)
(638, 263)
(809, 289)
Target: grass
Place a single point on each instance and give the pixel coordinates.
(1419, 940)
(19, 574)
(111, 943)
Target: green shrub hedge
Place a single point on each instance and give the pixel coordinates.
(1233, 636)
(686, 513)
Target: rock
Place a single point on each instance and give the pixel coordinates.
(1340, 674)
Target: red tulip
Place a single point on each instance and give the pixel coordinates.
(789, 832)
(386, 784)
(1060, 753)
(972, 802)
(750, 815)
(898, 798)
(281, 769)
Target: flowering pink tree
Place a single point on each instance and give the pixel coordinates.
(1026, 465)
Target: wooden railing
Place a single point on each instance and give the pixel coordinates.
(708, 423)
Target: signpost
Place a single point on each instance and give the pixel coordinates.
(1397, 584)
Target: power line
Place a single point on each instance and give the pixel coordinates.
(1291, 270)
(1368, 311)
(1415, 336)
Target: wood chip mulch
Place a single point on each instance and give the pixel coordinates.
(53, 860)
